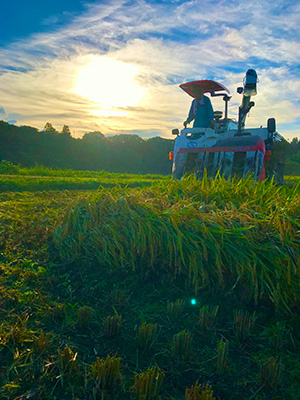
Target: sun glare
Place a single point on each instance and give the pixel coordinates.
(108, 113)
(109, 83)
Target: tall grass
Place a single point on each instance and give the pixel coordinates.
(235, 234)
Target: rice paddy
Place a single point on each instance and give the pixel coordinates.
(166, 289)
(21, 183)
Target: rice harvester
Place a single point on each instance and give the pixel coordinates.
(228, 147)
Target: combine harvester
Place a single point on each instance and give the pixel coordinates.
(228, 148)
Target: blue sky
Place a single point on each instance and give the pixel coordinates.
(25, 17)
(115, 66)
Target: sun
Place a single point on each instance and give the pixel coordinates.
(109, 83)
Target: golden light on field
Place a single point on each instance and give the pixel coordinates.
(109, 83)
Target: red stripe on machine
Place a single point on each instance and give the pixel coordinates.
(260, 145)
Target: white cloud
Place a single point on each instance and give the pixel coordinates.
(52, 20)
(169, 42)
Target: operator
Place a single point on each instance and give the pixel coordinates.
(201, 111)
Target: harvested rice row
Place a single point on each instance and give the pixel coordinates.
(211, 232)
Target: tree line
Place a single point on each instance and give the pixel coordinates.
(28, 146)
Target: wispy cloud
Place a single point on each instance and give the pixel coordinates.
(169, 42)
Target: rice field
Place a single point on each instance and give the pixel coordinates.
(206, 231)
(23, 183)
(178, 290)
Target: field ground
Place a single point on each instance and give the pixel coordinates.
(87, 181)
(86, 274)
(21, 183)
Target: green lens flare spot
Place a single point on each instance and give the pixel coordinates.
(193, 302)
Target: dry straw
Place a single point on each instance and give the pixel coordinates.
(106, 373)
(207, 316)
(146, 335)
(174, 309)
(67, 363)
(222, 356)
(147, 384)
(199, 392)
(243, 322)
(181, 345)
(41, 343)
(271, 372)
(84, 316)
(112, 325)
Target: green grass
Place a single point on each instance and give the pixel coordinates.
(7, 168)
(13, 178)
(40, 183)
(18, 179)
(75, 262)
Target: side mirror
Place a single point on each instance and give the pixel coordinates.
(271, 124)
(175, 131)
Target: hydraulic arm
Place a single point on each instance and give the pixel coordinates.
(248, 90)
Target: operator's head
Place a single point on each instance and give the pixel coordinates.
(198, 93)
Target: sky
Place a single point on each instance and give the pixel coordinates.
(115, 66)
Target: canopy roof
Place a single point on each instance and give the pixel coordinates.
(206, 86)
